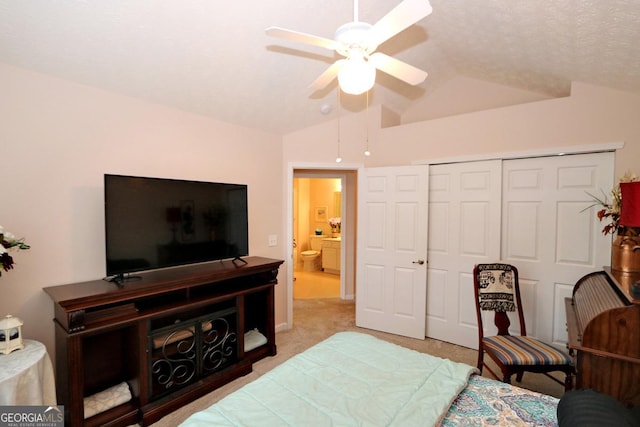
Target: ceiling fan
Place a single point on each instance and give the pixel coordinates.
(357, 42)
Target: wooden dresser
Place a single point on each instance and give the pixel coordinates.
(603, 324)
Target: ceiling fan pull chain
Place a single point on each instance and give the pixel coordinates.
(339, 158)
(367, 153)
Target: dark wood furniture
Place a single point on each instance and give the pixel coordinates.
(173, 335)
(603, 324)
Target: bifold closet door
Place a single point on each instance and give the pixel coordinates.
(464, 229)
(533, 213)
(551, 234)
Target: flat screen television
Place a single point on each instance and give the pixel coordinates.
(153, 223)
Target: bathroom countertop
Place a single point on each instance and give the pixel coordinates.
(333, 239)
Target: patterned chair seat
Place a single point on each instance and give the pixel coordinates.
(518, 350)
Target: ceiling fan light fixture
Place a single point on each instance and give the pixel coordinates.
(357, 75)
(357, 42)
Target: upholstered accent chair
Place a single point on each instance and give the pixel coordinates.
(497, 289)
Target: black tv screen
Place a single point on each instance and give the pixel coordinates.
(153, 223)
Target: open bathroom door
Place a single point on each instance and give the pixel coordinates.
(391, 272)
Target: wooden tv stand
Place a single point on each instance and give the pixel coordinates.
(172, 335)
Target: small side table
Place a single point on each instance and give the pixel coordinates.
(26, 376)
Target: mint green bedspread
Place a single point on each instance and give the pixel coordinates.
(350, 379)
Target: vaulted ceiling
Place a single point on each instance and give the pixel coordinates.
(213, 57)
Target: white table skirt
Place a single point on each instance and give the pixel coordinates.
(26, 376)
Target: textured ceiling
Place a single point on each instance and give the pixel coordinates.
(213, 58)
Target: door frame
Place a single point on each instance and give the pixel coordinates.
(329, 170)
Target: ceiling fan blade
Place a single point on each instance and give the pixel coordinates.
(398, 69)
(328, 75)
(398, 19)
(299, 37)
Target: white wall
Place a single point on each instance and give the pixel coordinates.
(590, 115)
(58, 139)
(465, 95)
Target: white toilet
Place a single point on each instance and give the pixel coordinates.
(311, 258)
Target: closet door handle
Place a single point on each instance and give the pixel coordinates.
(419, 262)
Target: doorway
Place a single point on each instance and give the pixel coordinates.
(317, 239)
(304, 218)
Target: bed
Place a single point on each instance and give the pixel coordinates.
(355, 379)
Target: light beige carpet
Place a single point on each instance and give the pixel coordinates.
(315, 320)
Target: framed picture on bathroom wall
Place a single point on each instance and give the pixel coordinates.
(321, 214)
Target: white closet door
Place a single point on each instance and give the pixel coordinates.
(528, 212)
(548, 234)
(464, 229)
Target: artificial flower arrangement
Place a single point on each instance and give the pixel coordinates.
(335, 224)
(611, 210)
(8, 241)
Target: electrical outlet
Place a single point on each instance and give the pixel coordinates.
(273, 240)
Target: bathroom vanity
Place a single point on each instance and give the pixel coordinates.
(331, 254)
